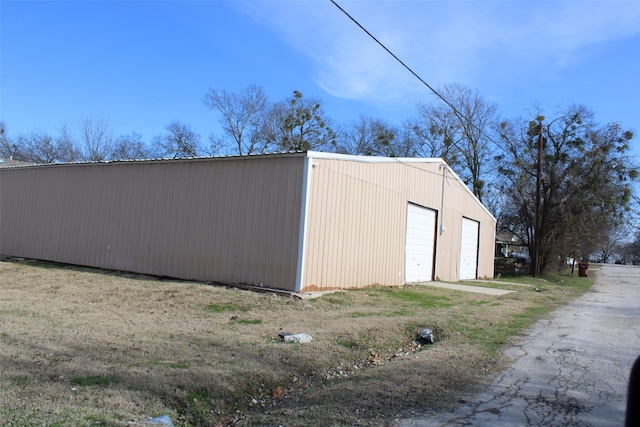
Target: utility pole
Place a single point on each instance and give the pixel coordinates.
(536, 228)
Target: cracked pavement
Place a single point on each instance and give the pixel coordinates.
(571, 369)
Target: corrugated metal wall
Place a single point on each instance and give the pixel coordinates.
(356, 232)
(238, 220)
(351, 238)
(231, 220)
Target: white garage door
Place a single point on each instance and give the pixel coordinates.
(421, 235)
(469, 249)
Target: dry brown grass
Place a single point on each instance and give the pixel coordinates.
(83, 347)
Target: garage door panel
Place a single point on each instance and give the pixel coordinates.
(420, 243)
(469, 249)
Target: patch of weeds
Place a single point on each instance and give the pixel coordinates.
(339, 298)
(200, 394)
(421, 299)
(93, 380)
(491, 338)
(477, 302)
(249, 321)
(97, 419)
(362, 341)
(347, 343)
(178, 365)
(15, 312)
(357, 314)
(523, 280)
(59, 358)
(575, 283)
(22, 381)
(17, 417)
(174, 365)
(396, 313)
(528, 316)
(494, 336)
(224, 307)
(199, 403)
(400, 313)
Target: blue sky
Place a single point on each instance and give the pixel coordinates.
(142, 64)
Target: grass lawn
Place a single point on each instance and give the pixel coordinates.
(84, 347)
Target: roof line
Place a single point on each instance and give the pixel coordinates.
(372, 159)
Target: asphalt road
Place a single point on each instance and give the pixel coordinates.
(570, 370)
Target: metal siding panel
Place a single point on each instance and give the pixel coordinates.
(486, 252)
(222, 189)
(294, 178)
(200, 258)
(378, 203)
(88, 219)
(123, 207)
(147, 178)
(352, 234)
(99, 222)
(356, 219)
(221, 219)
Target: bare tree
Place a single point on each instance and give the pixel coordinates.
(39, 147)
(479, 119)
(96, 139)
(128, 147)
(42, 148)
(95, 144)
(244, 118)
(461, 137)
(435, 134)
(611, 240)
(67, 145)
(9, 149)
(373, 137)
(357, 138)
(179, 141)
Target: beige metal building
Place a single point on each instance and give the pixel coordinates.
(300, 221)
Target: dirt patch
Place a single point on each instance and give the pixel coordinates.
(87, 347)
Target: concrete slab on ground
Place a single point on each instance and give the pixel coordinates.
(443, 285)
(467, 288)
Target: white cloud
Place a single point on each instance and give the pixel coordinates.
(443, 41)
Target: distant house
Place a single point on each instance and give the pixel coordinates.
(507, 243)
(297, 221)
(7, 163)
(512, 256)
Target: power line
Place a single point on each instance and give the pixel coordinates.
(455, 110)
(395, 57)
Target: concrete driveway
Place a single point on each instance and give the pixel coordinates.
(570, 370)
